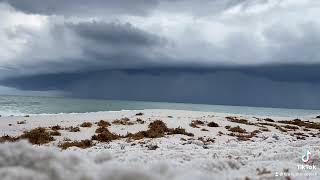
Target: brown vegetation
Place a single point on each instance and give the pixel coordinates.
(206, 141)
(291, 127)
(152, 147)
(300, 134)
(104, 135)
(86, 124)
(55, 133)
(213, 124)
(22, 122)
(55, 128)
(237, 129)
(237, 120)
(179, 130)
(139, 114)
(100, 129)
(274, 125)
(7, 138)
(103, 123)
(195, 123)
(73, 129)
(66, 139)
(140, 121)
(81, 144)
(300, 123)
(265, 129)
(123, 121)
(34, 136)
(37, 136)
(157, 129)
(245, 136)
(269, 120)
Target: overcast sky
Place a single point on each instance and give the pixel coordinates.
(237, 52)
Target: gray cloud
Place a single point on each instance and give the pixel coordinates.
(240, 33)
(83, 47)
(83, 7)
(239, 49)
(235, 87)
(115, 34)
(126, 7)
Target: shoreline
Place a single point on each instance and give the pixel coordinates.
(13, 114)
(219, 145)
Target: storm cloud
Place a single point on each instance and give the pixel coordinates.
(83, 7)
(261, 53)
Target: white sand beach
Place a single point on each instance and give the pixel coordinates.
(233, 147)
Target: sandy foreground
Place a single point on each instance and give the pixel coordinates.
(260, 148)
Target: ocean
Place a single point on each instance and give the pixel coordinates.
(21, 105)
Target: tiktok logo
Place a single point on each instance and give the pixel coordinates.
(306, 157)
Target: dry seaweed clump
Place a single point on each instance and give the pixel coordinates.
(100, 129)
(139, 114)
(104, 135)
(206, 141)
(56, 127)
(22, 122)
(157, 129)
(213, 124)
(37, 136)
(236, 119)
(291, 127)
(152, 147)
(245, 136)
(140, 121)
(196, 123)
(239, 120)
(123, 121)
(300, 123)
(179, 130)
(34, 136)
(81, 144)
(269, 120)
(86, 124)
(237, 129)
(103, 123)
(55, 133)
(73, 129)
(7, 138)
(274, 125)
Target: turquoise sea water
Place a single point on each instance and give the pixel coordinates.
(18, 105)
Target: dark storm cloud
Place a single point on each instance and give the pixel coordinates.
(212, 86)
(114, 45)
(240, 52)
(115, 34)
(85, 46)
(83, 7)
(129, 7)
